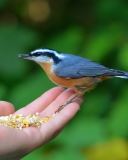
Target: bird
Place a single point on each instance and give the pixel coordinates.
(71, 71)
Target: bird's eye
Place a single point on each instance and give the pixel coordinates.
(36, 54)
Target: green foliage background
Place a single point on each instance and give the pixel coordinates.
(97, 30)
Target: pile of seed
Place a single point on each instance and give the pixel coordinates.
(20, 121)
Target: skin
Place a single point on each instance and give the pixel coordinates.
(15, 144)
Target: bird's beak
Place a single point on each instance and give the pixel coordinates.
(24, 56)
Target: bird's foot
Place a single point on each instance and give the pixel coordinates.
(68, 102)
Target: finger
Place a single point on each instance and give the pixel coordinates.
(60, 100)
(53, 127)
(42, 102)
(6, 108)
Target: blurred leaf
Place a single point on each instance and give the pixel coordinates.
(69, 154)
(30, 89)
(14, 40)
(82, 132)
(102, 42)
(55, 154)
(67, 41)
(123, 57)
(3, 91)
(108, 10)
(115, 149)
(95, 102)
(3, 3)
(118, 119)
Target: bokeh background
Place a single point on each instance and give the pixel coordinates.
(97, 30)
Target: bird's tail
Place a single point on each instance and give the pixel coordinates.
(120, 74)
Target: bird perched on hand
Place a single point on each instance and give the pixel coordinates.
(72, 71)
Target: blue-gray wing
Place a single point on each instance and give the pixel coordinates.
(77, 67)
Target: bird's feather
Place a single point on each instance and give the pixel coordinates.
(76, 67)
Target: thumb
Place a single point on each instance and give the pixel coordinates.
(6, 108)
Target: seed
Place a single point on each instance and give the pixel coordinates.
(20, 121)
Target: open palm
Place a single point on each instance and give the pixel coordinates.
(15, 144)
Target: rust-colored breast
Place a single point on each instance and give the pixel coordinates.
(80, 85)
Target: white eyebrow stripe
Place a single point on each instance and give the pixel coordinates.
(50, 51)
(42, 50)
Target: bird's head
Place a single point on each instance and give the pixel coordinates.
(43, 55)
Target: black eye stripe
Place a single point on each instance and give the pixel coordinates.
(36, 54)
(47, 54)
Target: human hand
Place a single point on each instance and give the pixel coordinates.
(15, 144)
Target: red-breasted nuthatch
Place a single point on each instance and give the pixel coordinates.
(72, 71)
